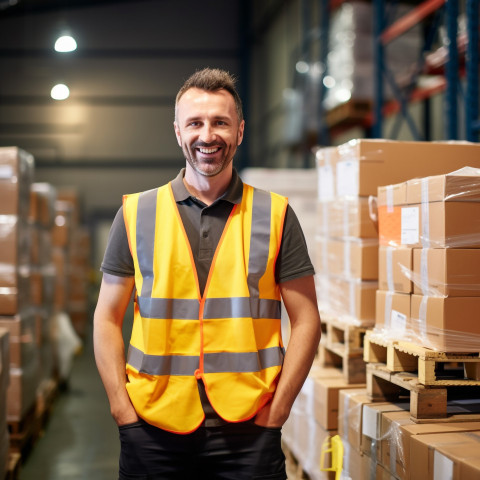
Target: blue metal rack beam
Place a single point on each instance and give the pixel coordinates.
(472, 65)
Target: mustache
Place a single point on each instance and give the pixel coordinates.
(200, 144)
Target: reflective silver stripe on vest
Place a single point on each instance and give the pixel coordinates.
(259, 246)
(168, 308)
(162, 364)
(241, 307)
(221, 362)
(146, 215)
(188, 309)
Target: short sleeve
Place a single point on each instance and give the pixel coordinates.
(118, 259)
(293, 260)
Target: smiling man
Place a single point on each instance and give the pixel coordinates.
(207, 383)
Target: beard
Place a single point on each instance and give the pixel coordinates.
(205, 165)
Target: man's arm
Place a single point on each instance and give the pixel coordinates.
(301, 303)
(113, 299)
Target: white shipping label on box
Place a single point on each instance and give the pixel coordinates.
(442, 467)
(325, 183)
(6, 172)
(347, 178)
(410, 225)
(369, 422)
(398, 321)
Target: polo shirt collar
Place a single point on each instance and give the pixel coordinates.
(233, 193)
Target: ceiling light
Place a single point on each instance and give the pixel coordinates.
(302, 67)
(60, 92)
(65, 43)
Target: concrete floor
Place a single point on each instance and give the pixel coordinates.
(81, 440)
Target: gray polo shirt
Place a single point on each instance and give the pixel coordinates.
(204, 226)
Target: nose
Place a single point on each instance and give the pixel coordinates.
(207, 133)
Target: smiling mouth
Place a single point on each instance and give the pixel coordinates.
(208, 150)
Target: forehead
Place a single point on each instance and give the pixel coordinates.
(198, 100)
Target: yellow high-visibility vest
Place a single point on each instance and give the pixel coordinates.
(230, 337)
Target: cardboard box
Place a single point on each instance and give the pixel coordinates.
(16, 175)
(436, 224)
(42, 204)
(392, 313)
(62, 229)
(395, 269)
(326, 394)
(15, 241)
(15, 299)
(351, 300)
(443, 456)
(365, 164)
(356, 465)
(371, 426)
(390, 200)
(23, 339)
(325, 159)
(346, 217)
(458, 186)
(397, 428)
(353, 258)
(350, 405)
(442, 224)
(451, 271)
(302, 435)
(447, 324)
(22, 391)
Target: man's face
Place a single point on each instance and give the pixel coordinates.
(208, 130)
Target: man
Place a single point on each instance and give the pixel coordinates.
(209, 258)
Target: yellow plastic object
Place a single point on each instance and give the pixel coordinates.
(334, 447)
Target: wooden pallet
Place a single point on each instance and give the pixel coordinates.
(350, 364)
(342, 348)
(432, 368)
(426, 401)
(25, 432)
(341, 334)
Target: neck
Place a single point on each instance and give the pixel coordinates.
(207, 189)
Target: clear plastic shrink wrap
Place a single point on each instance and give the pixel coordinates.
(16, 174)
(429, 261)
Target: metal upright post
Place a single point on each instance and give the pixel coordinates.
(451, 71)
(378, 48)
(324, 22)
(472, 61)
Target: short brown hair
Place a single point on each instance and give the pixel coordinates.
(212, 79)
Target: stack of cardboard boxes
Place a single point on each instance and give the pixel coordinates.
(382, 441)
(314, 419)
(16, 312)
(430, 258)
(4, 380)
(347, 239)
(34, 241)
(72, 257)
(42, 216)
(349, 176)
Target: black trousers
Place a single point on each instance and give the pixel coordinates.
(236, 451)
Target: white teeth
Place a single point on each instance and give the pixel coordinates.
(208, 150)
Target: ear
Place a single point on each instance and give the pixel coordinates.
(241, 129)
(177, 134)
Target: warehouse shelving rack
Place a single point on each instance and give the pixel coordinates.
(460, 60)
(452, 68)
